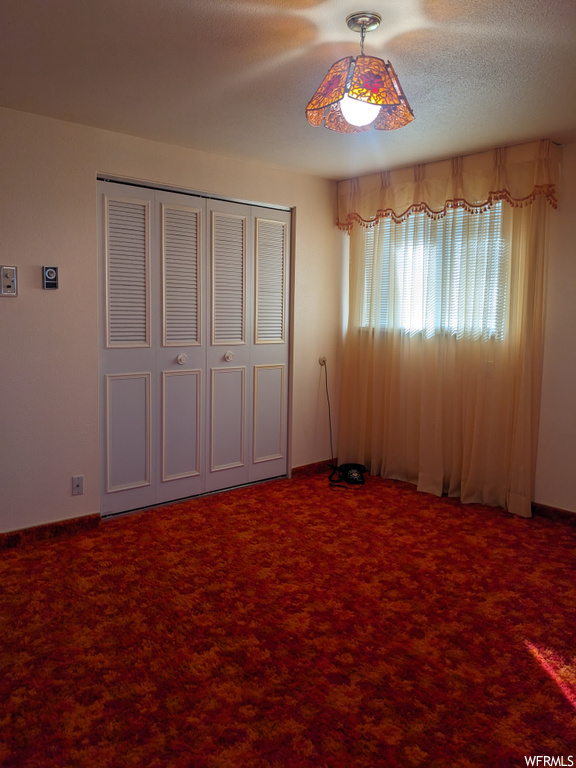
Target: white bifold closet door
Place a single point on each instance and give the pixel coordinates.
(193, 345)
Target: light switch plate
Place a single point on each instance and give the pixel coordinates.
(8, 281)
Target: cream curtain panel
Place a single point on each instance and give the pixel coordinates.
(454, 410)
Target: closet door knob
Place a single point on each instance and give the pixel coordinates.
(229, 356)
(182, 359)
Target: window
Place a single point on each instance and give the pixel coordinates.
(447, 276)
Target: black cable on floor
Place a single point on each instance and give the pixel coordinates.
(333, 463)
(336, 479)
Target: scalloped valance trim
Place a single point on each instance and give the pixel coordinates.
(547, 190)
(517, 175)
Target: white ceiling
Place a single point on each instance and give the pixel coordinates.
(234, 76)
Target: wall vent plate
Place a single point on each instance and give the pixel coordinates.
(8, 281)
(50, 277)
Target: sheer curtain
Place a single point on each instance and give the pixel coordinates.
(443, 352)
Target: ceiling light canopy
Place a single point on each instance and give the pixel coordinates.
(360, 93)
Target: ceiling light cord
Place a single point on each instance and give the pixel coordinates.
(362, 38)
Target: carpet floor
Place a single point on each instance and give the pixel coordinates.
(289, 625)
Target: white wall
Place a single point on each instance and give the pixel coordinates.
(556, 469)
(49, 339)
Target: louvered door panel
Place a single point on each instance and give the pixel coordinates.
(127, 273)
(269, 350)
(181, 270)
(228, 278)
(270, 281)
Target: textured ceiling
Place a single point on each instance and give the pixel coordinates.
(234, 76)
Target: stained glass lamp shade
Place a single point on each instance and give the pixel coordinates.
(361, 93)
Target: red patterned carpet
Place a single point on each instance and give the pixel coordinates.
(288, 625)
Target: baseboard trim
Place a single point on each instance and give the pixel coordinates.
(38, 533)
(318, 468)
(554, 513)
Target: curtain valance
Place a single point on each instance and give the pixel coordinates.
(516, 174)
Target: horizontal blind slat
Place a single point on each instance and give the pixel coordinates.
(228, 254)
(181, 275)
(270, 266)
(127, 274)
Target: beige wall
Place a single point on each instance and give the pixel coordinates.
(556, 469)
(48, 339)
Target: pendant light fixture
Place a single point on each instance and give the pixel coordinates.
(360, 93)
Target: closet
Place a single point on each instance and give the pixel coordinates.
(193, 344)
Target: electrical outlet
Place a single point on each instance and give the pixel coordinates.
(77, 485)
(322, 360)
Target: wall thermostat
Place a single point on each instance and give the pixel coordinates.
(50, 277)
